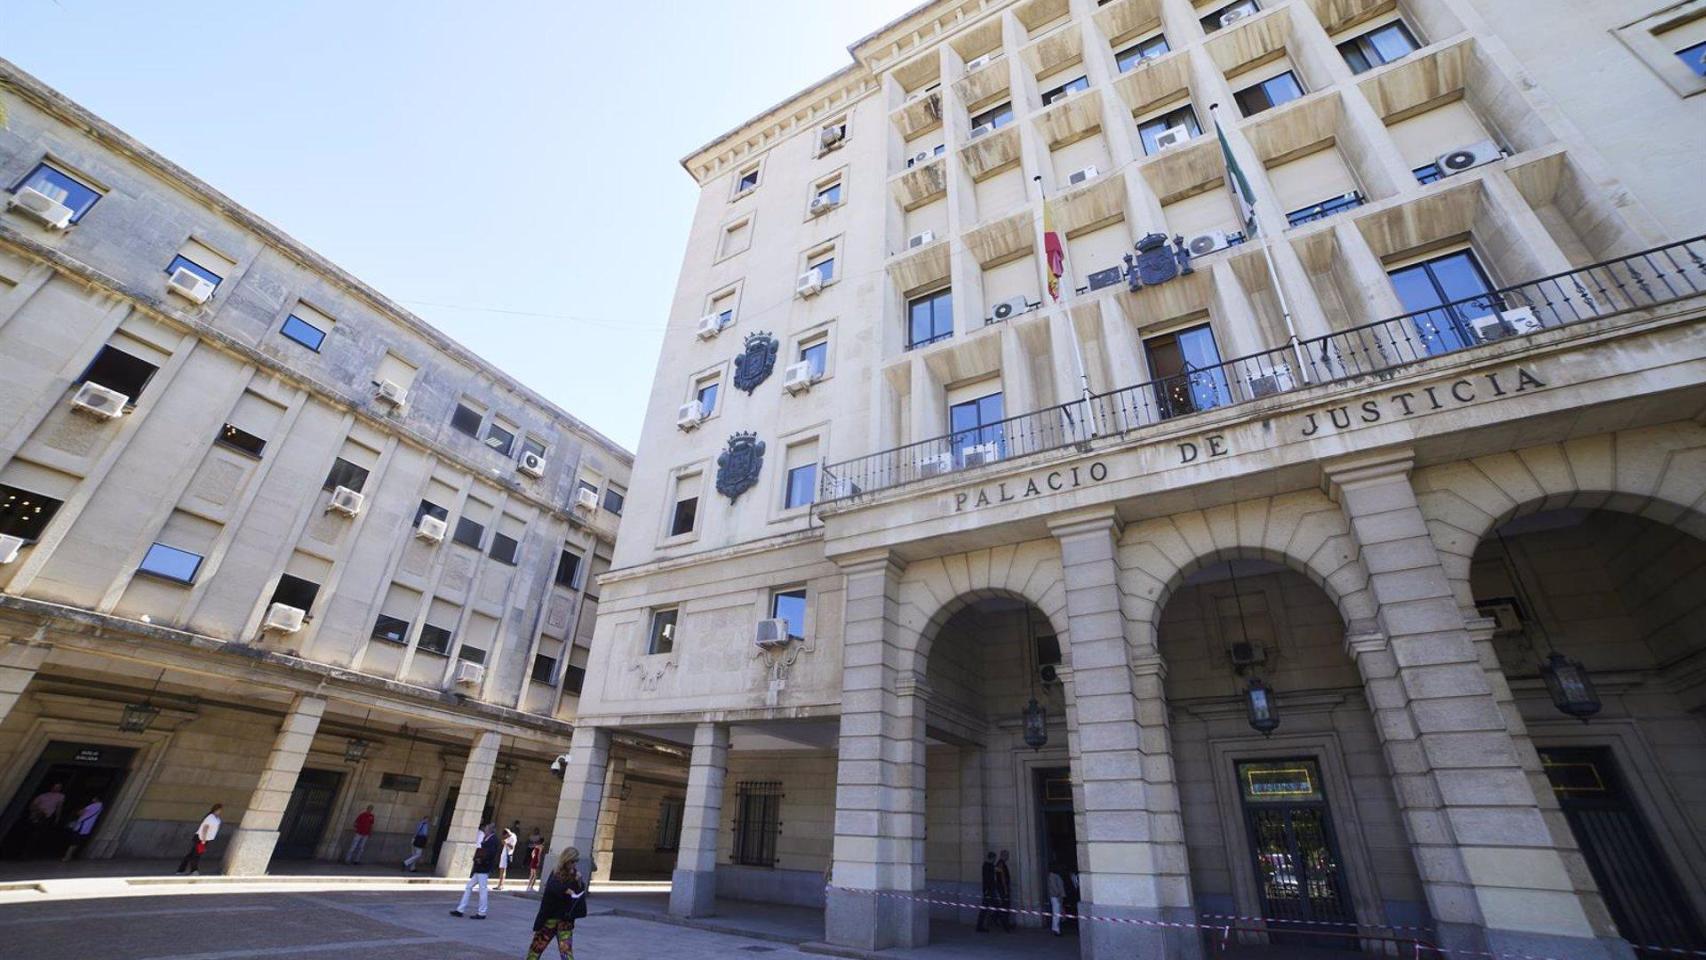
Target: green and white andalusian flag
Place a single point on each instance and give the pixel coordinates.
(1237, 182)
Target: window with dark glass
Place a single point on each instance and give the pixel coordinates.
(430, 509)
(170, 563)
(1138, 52)
(661, 637)
(434, 639)
(670, 811)
(345, 474)
(533, 446)
(930, 318)
(240, 440)
(686, 512)
(790, 605)
(1149, 130)
(1443, 296)
(116, 370)
(503, 549)
(707, 397)
(830, 193)
(62, 188)
(24, 514)
(544, 669)
(500, 438)
(181, 262)
(574, 678)
(725, 316)
(466, 419)
(1271, 92)
(1229, 14)
(1065, 90)
(295, 592)
(303, 332)
(1694, 57)
(816, 354)
(568, 569)
(802, 486)
(758, 822)
(996, 117)
(469, 533)
(471, 654)
(391, 629)
(977, 422)
(825, 267)
(747, 181)
(613, 500)
(1185, 369)
(1381, 45)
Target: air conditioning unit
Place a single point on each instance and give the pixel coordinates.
(689, 414)
(820, 204)
(798, 377)
(586, 499)
(981, 129)
(920, 238)
(936, 466)
(1278, 381)
(830, 137)
(469, 673)
(1080, 176)
(345, 501)
(1206, 243)
(1234, 14)
(283, 618)
(981, 455)
(771, 633)
(9, 547)
(841, 488)
(390, 392)
(709, 326)
(190, 285)
(1247, 654)
(1468, 158)
(1172, 137)
(50, 212)
(1011, 307)
(431, 529)
(979, 62)
(531, 464)
(1105, 278)
(97, 401)
(921, 157)
(809, 283)
(1513, 322)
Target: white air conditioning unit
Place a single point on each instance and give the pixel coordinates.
(1079, 176)
(1513, 322)
(9, 547)
(586, 499)
(830, 137)
(842, 487)
(97, 401)
(531, 464)
(982, 455)
(922, 156)
(936, 466)
(1172, 137)
(283, 618)
(1206, 243)
(390, 392)
(798, 377)
(820, 204)
(920, 238)
(1011, 307)
(709, 326)
(1234, 14)
(345, 501)
(469, 673)
(771, 633)
(1522, 320)
(1278, 381)
(190, 285)
(689, 414)
(1468, 158)
(431, 529)
(50, 212)
(981, 129)
(979, 62)
(809, 283)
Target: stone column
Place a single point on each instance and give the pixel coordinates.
(19, 661)
(1494, 877)
(693, 887)
(1134, 862)
(576, 824)
(251, 846)
(609, 813)
(879, 794)
(456, 857)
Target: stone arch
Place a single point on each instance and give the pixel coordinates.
(1654, 472)
(932, 591)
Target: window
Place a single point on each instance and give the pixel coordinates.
(1694, 57)
(977, 422)
(1228, 15)
(1066, 89)
(670, 810)
(345, 474)
(390, 629)
(1445, 294)
(995, 117)
(181, 262)
(747, 181)
(471, 654)
(303, 332)
(116, 370)
(802, 486)
(685, 515)
(295, 592)
(614, 498)
(589, 485)
(737, 237)
(500, 438)
(544, 669)
(758, 821)
(466, 419)
(574, 678)
(1271, 92)
(240, 440)
(1383, 44)
(24, 514)
(430, 509)
(824, 264)
(533, 446)
(707, 397)
(1428, 173)
(829, 193)
(661, 638)
(503, 549)
(61, 187)
(568, 569)
(434, 639)
(469, 533)
(1142, 50)
(790, 605)
(816, 354)
(1185, 368)
(831, 136)
(1324, 209)
(170, 563)
(1149, 130)
(930, 318)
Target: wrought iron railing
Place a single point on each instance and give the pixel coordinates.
(1661, 275)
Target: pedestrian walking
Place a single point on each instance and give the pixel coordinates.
(535, 860)
(986, 911)
(561, 903)
(486, 850)
(1004, 892)
(82, 826)
(422, 831)
(363, 832)
(204, 834)
(1056, 896)
(510, 839)
(46, 806)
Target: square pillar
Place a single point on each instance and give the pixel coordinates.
(251, 847)
(576, 823)
(1494, 875)
(456, 857)
(19, 661)
(693, 890)
(609, 813)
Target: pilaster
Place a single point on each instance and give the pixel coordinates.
(609, 815)
(693, 892)
(456, 858)
(576, 823)
(252, 845)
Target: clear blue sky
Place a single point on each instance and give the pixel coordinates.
(358, 126)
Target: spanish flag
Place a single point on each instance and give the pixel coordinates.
(1055, 253)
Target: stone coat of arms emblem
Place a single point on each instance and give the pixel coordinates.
(738, 465)
(1155, 263)
(756, 361)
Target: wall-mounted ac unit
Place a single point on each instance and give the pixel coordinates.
(1232, 15)
(1513, 322)
(982, 129)
(936, 466)
(345, 501)
(390, 391)
(531, 464)
(431, 529)
(1278, 381)
(709, 326)
(820, 204)
(586, 499)
(771, 633)
(689, 414)
(843, 487)
(798, 377)
(98, 401)
(9, 547)
(920, 238)
(831, 137)
(469, 674)
(1011, 307)
(981, 455)
(978, 62)
(1105, 278)
(1468, 158)
(283, 618)
(52, 214)
(809, 283)
(1172, 137)
(1206, 243)
(1079, 176)
(190, 285)
(922, 156)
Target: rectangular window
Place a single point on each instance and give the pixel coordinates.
(824, 265)
(790, 605)
(471, 654)
(466, 419)
(390, 629)
(116, 370)
(1185, 368)
(1065, 90)
(504, 549)
(1324, 209)
(614, 499)
(181, 262)
(995, 117)
(661, 638)
(533, 446)
(239, 440)
(747, 181)
(1228, 15)
(24, 514)
(500, 438)
(544, 669)
(1694, 57)
(295, 592)
(802, 486)
(1381, 45)
(568, 569)
(758, 822)
(1271, 92)
(1149, 131)
(430, 509)
(434, 639)
(574, 678)
(816, 354)
(977, 423)
(686, 513)
(345, 474)
(930, 318)
(62, 188)
(469, 533)
(1444, 296)
(830, 193)
(303, 332)
(1142, 50)
(670, 811)
(707, 397)
(170, 563)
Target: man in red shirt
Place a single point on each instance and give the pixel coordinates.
(363, 830)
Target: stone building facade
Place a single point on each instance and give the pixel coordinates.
(1051, 566)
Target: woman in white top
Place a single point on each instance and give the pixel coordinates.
(204, 835)
(509, 842)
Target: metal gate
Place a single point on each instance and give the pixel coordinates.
(305, 817)
(1299, 875)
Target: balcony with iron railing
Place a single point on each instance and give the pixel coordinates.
(1650, 278)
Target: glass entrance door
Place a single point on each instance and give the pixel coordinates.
(1185, 368)
(37, 823)
(1058, 836)
(1299, 874)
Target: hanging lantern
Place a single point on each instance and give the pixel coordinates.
(1571, 687)
(355, 749)
(504, 774)
(1036, 725)
(1259, 701)
(138, 717)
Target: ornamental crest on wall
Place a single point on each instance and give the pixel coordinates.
(1155, 263)
(738, 465)
(755, 362)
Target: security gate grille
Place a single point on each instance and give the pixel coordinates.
(1298, 872)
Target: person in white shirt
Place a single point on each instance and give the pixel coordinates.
(510, 839)
(204, 835)
(1056, 894)
(82, 826)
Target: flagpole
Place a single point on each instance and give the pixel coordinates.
(1072, 335)
(1267, 254)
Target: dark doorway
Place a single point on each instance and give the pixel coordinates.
(1057, 836)
(1643, 895)
(83, 772)
(306, 815)
(447, 812)
(1299, 875)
